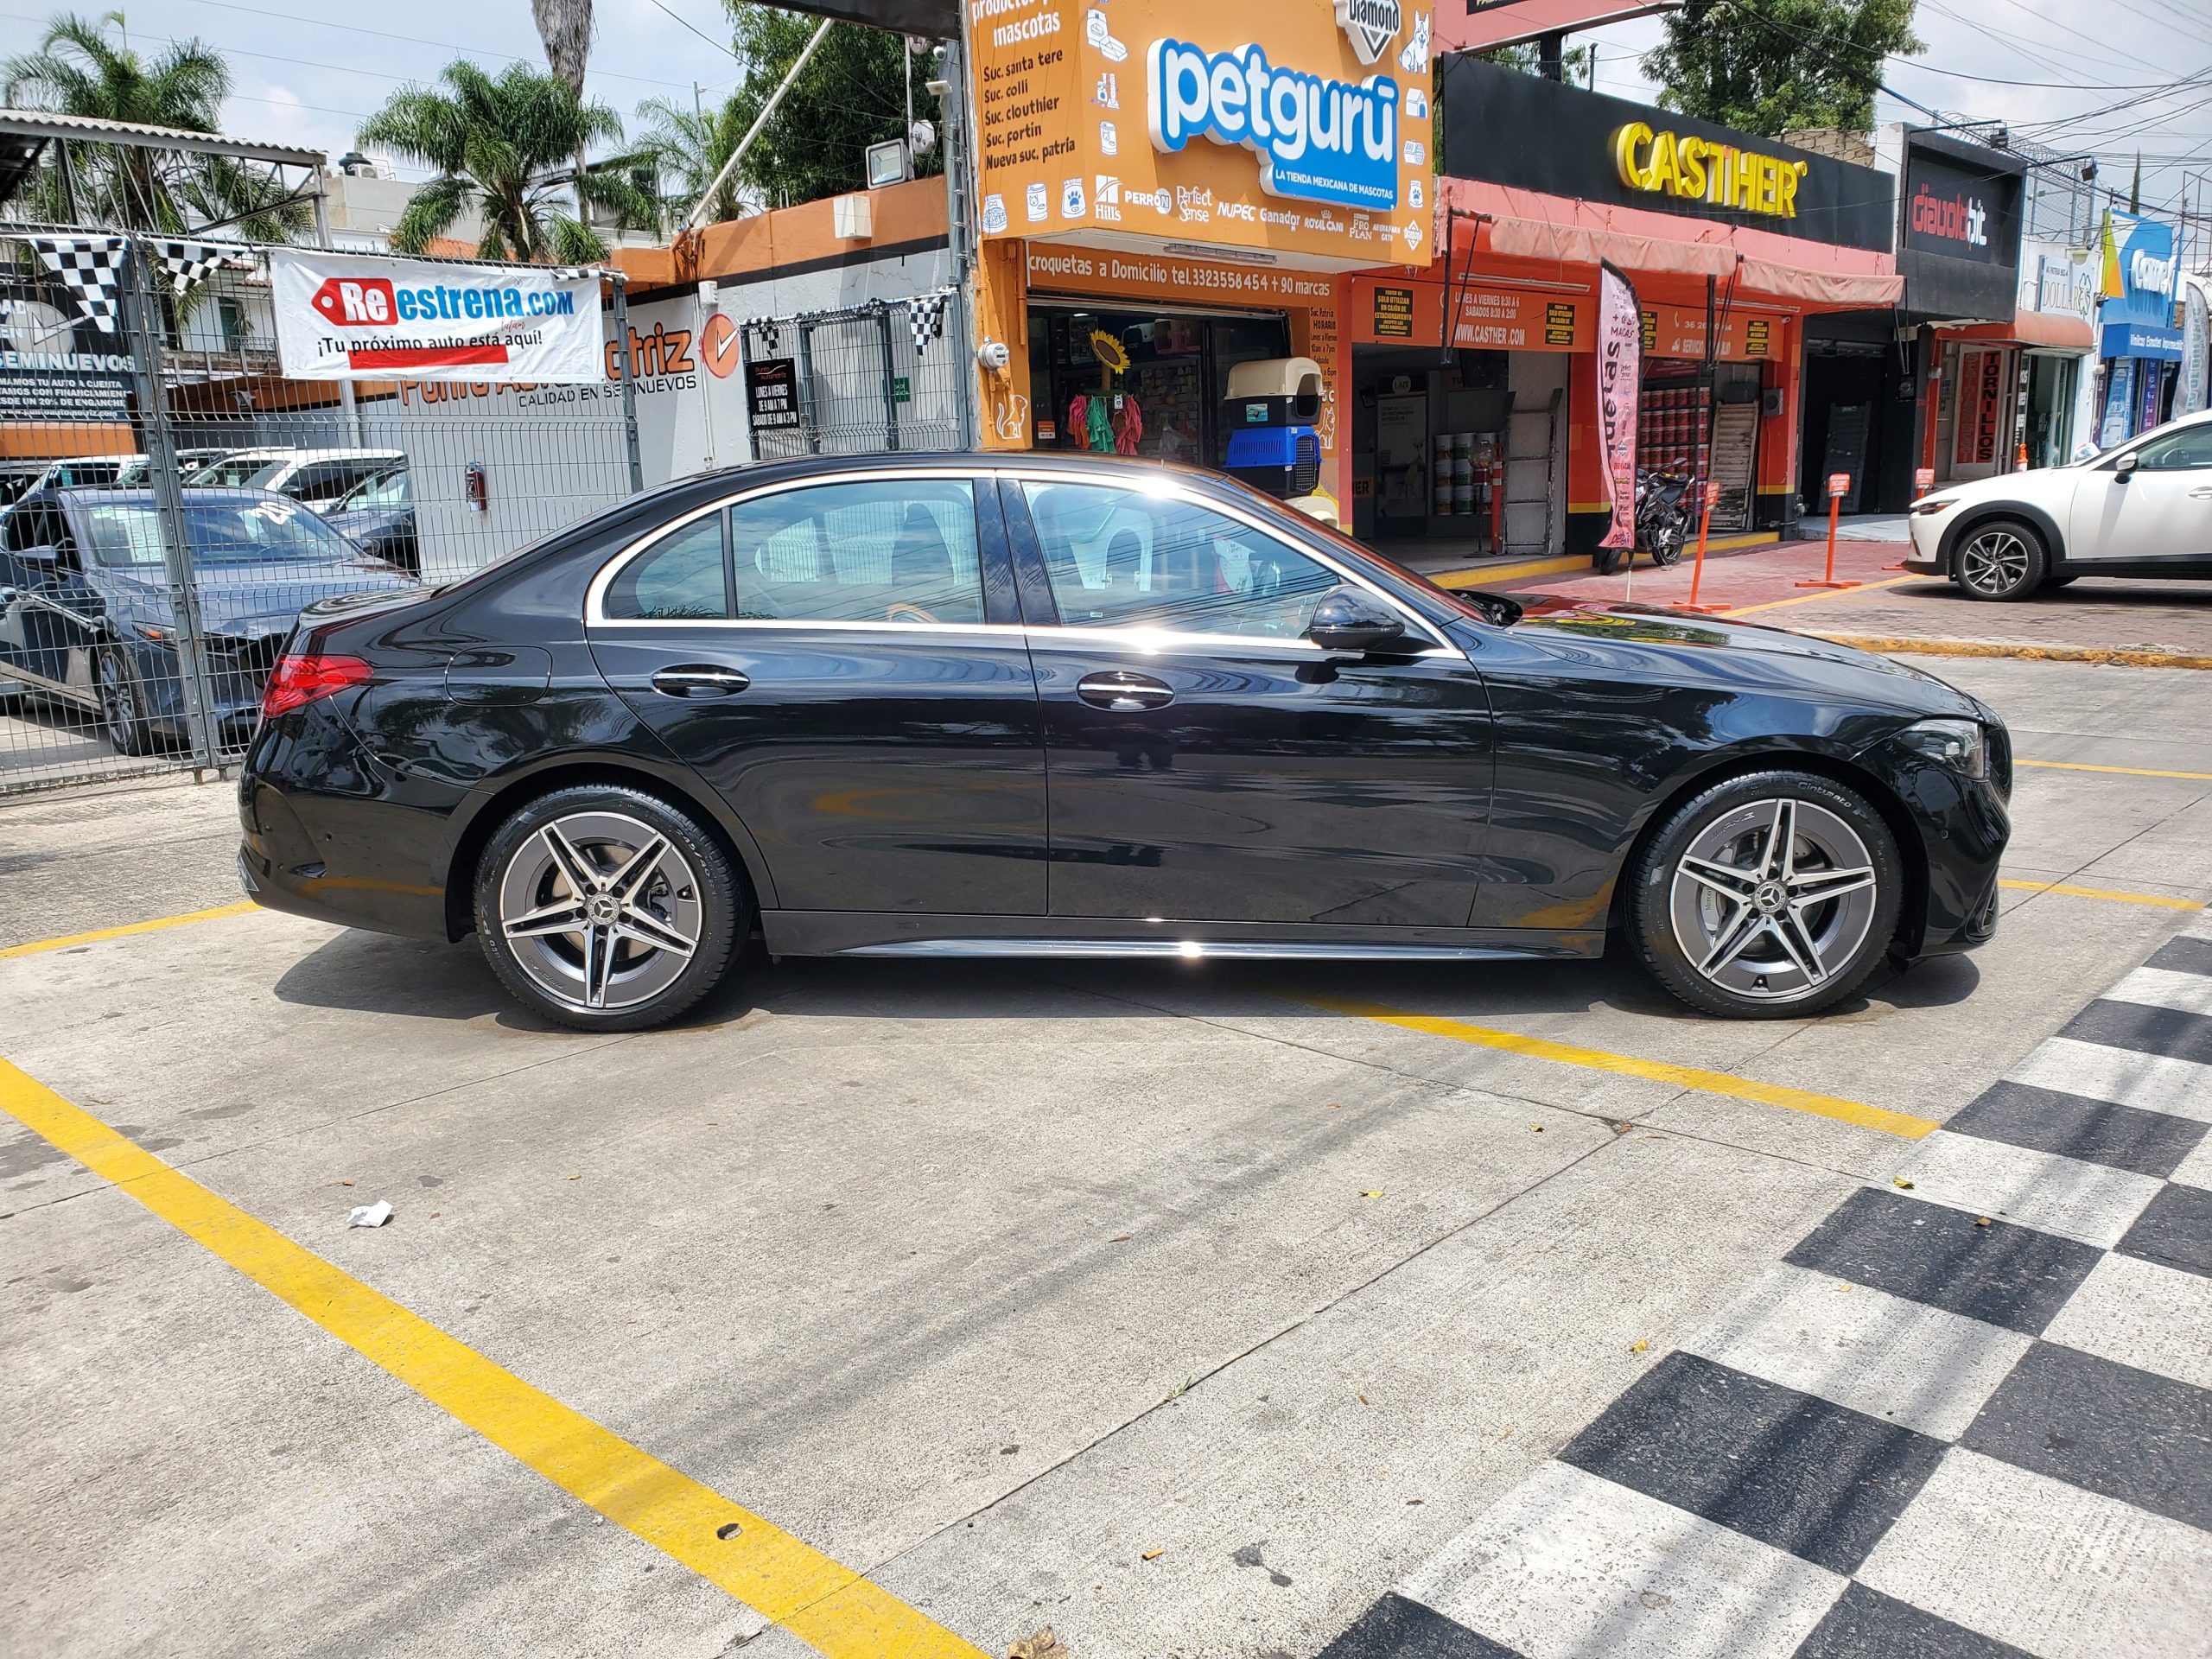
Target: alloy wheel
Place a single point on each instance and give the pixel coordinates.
(118, 702)
(601, 910)
(1993, 562)
(1772, 898)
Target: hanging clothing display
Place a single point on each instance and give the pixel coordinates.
(1128, 426)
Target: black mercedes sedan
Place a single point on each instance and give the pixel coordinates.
(1026, 705)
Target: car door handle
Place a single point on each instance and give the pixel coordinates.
(699, 680)
(2202, 493)
(1123, 692)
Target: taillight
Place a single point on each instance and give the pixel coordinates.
(297, 681)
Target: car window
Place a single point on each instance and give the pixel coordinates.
(271, 530)
(684, 576)
(874, 550)
(389, 490)
(229, 473)
(1122, 558)
(2176, 452)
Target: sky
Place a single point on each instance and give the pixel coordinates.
(2095, 68)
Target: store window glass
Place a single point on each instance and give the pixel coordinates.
(1124, 559)
(1138, 383)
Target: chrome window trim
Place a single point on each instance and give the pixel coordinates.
(1173, 489)
(595, 596)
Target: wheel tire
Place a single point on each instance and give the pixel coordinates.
(122, 703)
(1607, 559)
(1775, 917)
(1667, 547)
(609, 973)
(2001, 560)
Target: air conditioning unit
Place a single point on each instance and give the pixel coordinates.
(853, 218)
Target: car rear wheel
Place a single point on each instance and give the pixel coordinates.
(123, 704)
(2003, 559)
(606, 908)
(1768, 896)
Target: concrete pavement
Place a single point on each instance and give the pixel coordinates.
(1151, 1302)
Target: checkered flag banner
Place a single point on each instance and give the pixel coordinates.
(771, 337)
(90, 267)
(189, 263)
(926, 316)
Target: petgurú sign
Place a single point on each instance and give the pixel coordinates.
(1318, 139)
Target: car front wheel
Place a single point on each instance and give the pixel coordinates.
(1768, 896)
(123, 704)
(606, 908)
(2003, 559)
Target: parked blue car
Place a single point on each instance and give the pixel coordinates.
(84, 613)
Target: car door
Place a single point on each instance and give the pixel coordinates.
(842, 659)
(2159, 508)
(48, 614)
(1209, 762)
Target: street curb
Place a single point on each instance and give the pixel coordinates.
(1476, 576)
(2108, 655)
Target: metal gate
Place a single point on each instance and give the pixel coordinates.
(871, 379)
(172, 500)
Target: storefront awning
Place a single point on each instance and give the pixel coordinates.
(1524, 224)
(2051, 328)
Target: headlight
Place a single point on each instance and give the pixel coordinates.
(1930, 504)
(160, 636)
(1961, 745)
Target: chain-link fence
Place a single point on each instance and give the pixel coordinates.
(173, 501)
(865, 380)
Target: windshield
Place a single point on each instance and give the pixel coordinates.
(230, 471)
(129, 534)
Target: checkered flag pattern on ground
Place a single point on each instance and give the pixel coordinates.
(926, 316)
(189, 263)
(766, 328)
(1965, 1415)
(90, 267)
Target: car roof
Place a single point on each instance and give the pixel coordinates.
(140, 496)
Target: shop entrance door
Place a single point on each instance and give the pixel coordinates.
(1142, 383)
(1401, 462)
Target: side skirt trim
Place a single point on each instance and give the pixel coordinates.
(862, 933)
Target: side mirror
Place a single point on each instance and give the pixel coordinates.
(2125, 467)
(40, 561)
(1351, 619)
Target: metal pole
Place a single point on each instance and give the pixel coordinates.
(697, 216)
(630, 381)
(960, 334)
(806, 387)
(68, 180)
(890, 384)
(143, 340)
(346, 407)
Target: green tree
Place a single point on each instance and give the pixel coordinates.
(1769, 65)
(505, 146)
(686, 149)
(79, 70)
(1574, 62)
(852, 93)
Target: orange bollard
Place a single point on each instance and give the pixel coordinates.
(1697, 565)
(1839, 486)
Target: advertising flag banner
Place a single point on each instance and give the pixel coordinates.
(355, 317)
(2192, 392)
(1620, 373)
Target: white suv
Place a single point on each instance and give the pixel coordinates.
(2143, 508)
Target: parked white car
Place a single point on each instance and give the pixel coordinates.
(314, 477)
(2142, 508)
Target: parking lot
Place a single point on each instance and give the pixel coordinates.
(897, 1307)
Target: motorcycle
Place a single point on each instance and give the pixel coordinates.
(1662, 517)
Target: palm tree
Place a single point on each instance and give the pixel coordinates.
(504, 145)
(565, 30)
(688, 148)
(78, 70)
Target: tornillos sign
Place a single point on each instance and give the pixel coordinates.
(344, 317)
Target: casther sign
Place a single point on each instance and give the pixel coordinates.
(348, 317)
(1959, 234)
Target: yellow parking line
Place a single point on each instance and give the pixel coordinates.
(1902, 1124)
(1807, 599)
(832, 1608)
(2130, 771)
(154, 926)
(2113, 894)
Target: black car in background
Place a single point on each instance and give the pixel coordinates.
(377, 516)
(85, 617)
(1039, 706)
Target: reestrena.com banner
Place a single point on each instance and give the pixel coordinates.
(357, 317)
